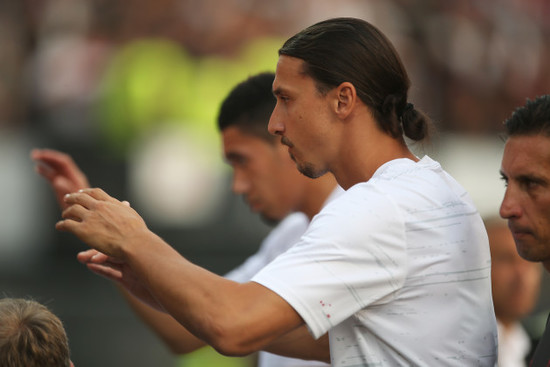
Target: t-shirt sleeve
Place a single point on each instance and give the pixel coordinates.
(352, 255)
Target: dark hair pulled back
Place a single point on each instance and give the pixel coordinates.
(352, 50)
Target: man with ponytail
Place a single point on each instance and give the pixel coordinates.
(396, 270)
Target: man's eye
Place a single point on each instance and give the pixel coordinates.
(239, 162)
(529, 184)
(236, 161)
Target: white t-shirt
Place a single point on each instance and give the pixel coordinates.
(397, 269)
(513, 345)
(280, 239)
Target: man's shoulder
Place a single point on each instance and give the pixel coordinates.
(290, 229)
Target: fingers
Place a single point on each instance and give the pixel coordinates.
(95, 257)
(58, 163)
(101, 258)
(76, 212)
(86, 256)
(63, 186)
(68, 225)
(52, 157)
(95, 193)
(73, 215)
(86, 198)
(45, 171)
(100, 221)
(107, 271)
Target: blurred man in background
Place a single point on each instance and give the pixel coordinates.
(31, 335)
(525, 169)
(516, 288)
(262, 172)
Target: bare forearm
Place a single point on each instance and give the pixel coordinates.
(300, 344)
(174, 335)
(235, 319)
(212, 308)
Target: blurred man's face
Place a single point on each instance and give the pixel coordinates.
(263, 173)
(526, 204)
(515, 281)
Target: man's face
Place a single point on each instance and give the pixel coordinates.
(515, 281)
(263, 173)
(526, 204)
(301, 117)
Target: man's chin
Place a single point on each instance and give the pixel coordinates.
(270, 220)
(310, 171)
(528, 250)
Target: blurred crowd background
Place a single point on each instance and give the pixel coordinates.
(131, 89)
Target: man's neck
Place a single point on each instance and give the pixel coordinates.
(363, 148)
(317, 193)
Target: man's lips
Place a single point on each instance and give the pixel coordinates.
(519, 232)
(254, 205)
(287, 142)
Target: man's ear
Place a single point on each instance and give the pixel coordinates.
(346, 97)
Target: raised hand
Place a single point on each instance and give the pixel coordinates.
(60, 170)
(104, 223)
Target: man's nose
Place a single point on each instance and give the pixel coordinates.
(275, 126)
(240, 184)
(509, 207)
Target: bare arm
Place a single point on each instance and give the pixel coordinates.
(64, 176)
(297, 343)
(174, 335)
(300, 344)
(236, 319)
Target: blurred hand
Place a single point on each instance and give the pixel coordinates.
(118, 271)
(60, 170)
